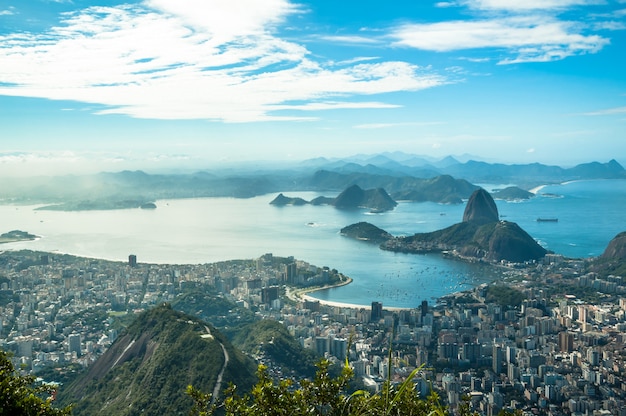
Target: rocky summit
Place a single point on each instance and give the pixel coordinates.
(481, 235)
(481, 208)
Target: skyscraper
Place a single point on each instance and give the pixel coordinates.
(74, 343)
(377, 311)
(497, 359)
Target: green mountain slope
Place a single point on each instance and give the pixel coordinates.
(149, 366)
(270, 341)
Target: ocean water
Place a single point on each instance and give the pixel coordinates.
(590, 214)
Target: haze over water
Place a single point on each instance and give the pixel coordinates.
(206, 230)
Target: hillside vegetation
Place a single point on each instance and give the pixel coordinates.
(149, 366)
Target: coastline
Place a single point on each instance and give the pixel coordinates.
(304, 295)
(350, 305)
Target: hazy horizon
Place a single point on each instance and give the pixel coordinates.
(109, 85)
(76, 164)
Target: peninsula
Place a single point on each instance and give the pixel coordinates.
(480, 236)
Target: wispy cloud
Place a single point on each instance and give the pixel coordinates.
(351, 39)
(330, 105)
(465, 58)
(373, 126)
(527, 38)
(609, 25)
(607, 112)
(7, 12)
(166, 60)
(520, 5)
(358, 59)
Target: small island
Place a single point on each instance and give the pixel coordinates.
(15, 236)
(366, 232)
(376, 200)
(512, 193)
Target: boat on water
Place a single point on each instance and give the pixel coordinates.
(547, 219)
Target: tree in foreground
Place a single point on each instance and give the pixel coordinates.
(323, 396)
(20, 396)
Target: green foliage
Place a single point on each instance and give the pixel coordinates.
(504, 296)
(220, 312)
(149, 366)
(20, 396)
(325, 395)
(272, 340)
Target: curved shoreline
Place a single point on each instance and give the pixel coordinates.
(304, 295)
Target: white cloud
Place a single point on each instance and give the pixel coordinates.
(193, 62)
(531, 38)
(8, 12)
(335, 105)
(357, 60)
(227, 19)
(521, 5)
(610, 25)
(351, 39)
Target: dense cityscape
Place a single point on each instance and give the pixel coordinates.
(549, 341)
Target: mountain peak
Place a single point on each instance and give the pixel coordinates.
(481, 208)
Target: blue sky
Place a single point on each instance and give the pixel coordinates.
(97, 84)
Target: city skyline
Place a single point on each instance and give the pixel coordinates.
(91, 85)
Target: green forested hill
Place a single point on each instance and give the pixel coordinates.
(270, 340)
(147, 369)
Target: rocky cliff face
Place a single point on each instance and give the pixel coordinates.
(481, 235)
(616, 250)
(481, 208)
(506, 241)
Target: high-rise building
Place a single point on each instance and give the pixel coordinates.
(269, 294)
(322, 345)
(74, 343)
(497, 359)
(290, 272)
(471, 352)
(339, 348)
(566, 341)
(132, 260)
(377, 311)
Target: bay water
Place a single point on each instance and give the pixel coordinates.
(196, 231)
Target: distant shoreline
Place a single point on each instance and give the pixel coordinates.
(304, 294)
(350, 305)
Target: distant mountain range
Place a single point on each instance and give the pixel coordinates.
(402, 176)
